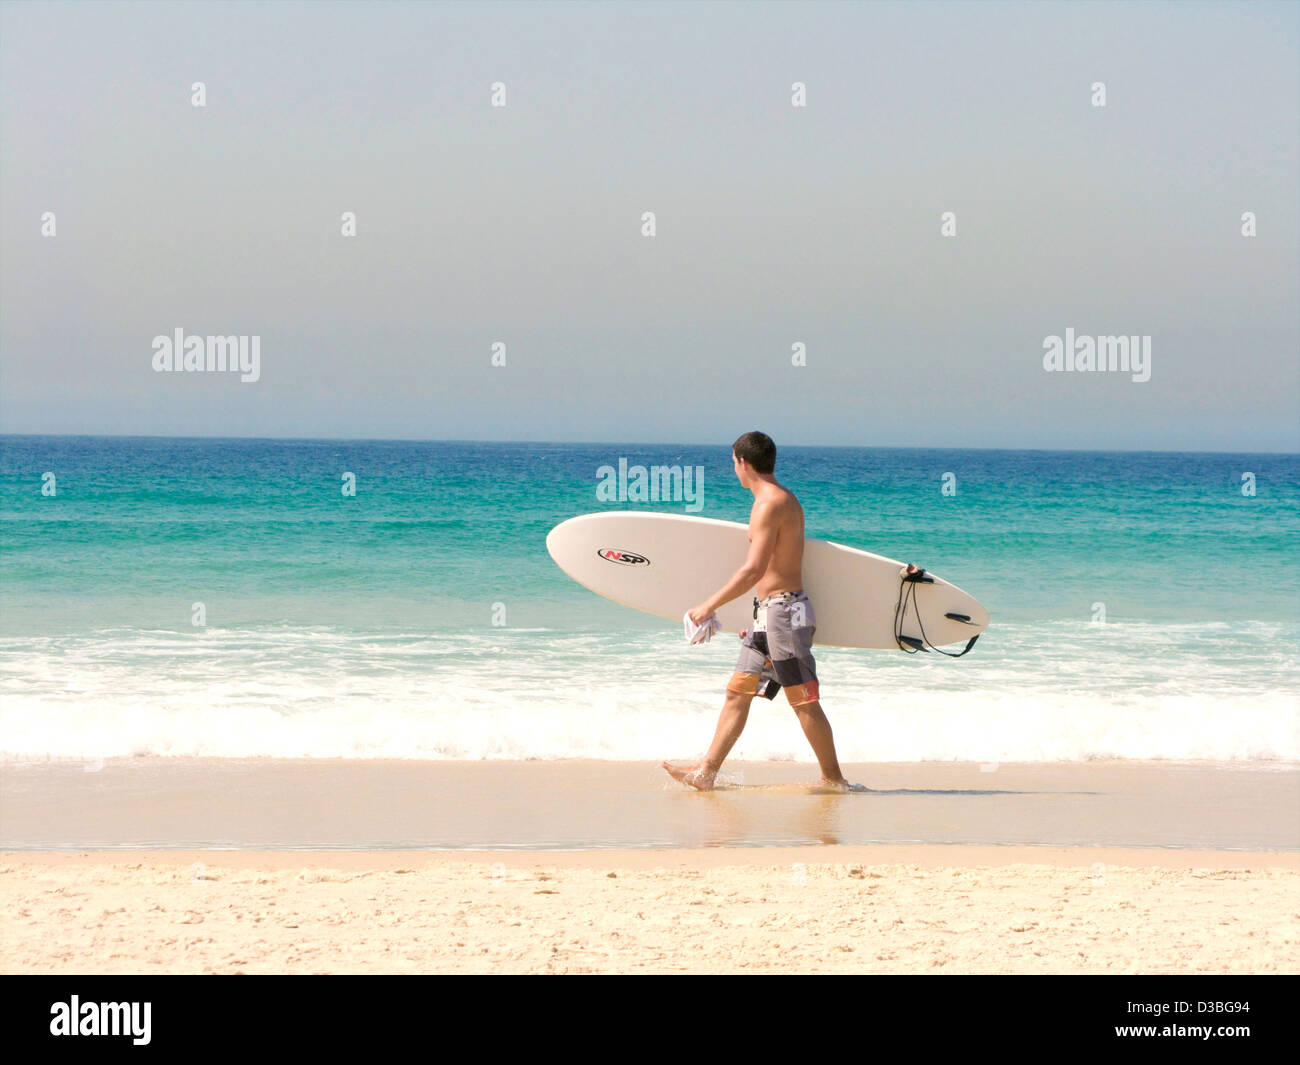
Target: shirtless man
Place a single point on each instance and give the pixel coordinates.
(777, 652)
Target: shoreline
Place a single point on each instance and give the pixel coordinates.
(919, 855)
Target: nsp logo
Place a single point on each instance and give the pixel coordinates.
(623, 558)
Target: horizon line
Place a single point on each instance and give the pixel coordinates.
(628, 443)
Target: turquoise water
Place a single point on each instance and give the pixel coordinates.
(422, 617)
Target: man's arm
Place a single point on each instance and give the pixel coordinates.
(763, 526)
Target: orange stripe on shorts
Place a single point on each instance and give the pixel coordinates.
(800, 694)
(744, 683)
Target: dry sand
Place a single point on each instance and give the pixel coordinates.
(788, 910)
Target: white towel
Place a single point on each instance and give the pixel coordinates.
(700, 633)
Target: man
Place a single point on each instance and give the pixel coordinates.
(777, 652)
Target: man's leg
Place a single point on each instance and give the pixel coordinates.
(791, 628)
(731, 723)
(818, 731)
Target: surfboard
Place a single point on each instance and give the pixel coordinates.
(664, 564)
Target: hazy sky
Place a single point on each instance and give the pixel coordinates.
(776, 224)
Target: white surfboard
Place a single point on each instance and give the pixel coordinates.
(665, 564)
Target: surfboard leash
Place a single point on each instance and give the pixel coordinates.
(913, 575)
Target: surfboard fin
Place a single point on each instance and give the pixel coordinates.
(914, 643)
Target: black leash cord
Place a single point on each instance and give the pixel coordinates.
(898, 623)
(926, 645)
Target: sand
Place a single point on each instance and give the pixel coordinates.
(1032, 869)
(866, 910)
(148, 803)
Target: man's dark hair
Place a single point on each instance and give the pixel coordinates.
(758, 450)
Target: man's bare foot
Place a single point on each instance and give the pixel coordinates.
(841, 785)
(700, 776)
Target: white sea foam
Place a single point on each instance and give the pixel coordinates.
(1028, 693)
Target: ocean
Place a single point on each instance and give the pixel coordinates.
(386, 599)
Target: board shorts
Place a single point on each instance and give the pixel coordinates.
(777, 652)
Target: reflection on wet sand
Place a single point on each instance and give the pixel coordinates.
(583, 805)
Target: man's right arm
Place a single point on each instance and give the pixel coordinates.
(763, 528)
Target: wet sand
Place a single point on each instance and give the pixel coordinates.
(209, 803)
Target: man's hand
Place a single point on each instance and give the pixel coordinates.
(700, 614)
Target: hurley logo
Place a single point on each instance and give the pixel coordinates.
(102, 1018)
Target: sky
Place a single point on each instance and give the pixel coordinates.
(798, 279)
